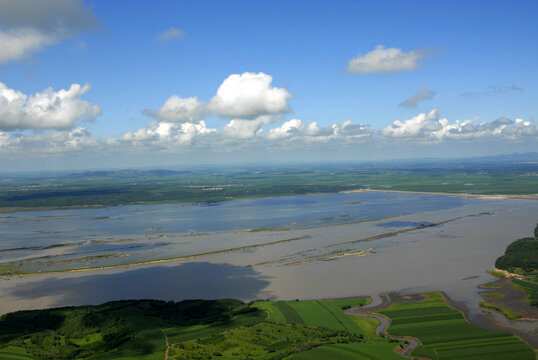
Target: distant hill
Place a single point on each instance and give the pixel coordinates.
(127, 173)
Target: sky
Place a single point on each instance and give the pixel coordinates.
(97, 84)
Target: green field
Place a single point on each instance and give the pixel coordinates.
(378, 351)
(15, 353)
(327, 313)
(445, 334)
(367, 325)
(196, 329)
(231, 330)
(197, 184)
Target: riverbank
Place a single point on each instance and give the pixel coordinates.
(485, 320)
(500, 196)
(533, 197)
(505, 295)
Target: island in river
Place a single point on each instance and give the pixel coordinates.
(317, 246)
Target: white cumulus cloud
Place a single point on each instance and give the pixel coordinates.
(51, 142)
(178, 109)
(416, 126)
(428, 127)
(242, 129)
(383, 59)
(161, 133)
(249, 95)
(299, 131)
(288, 129)
(45, 110)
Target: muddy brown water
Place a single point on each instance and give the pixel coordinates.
(452, 257)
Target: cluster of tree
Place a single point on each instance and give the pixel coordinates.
(521, 255)
(57, 333)
(193, 312)
(52, 333)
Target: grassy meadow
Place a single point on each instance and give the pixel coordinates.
(229, 329)
(445, 334)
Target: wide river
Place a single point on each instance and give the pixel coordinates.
(306, 247)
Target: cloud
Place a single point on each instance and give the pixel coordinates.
(493, 89)
(166, 133)
(178, 109)
(48, 109)
(294, 138)
(291, 128)
(383, 59)
(430, 127)
(351, 130)
(170, 34)
(300, 132)
(26, 26)
(422, 94)
(414, 127)
(249, 95)
(53, 142)
(4, 139)
(16, 44)
(245, 129)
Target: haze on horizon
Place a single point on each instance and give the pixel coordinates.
(107, 84)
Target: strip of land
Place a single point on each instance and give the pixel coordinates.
(460, 195)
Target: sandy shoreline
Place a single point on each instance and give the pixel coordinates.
(460, 195)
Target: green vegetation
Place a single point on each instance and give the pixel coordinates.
(128, 328)
(491, 286)
(367, 325)
(194, 329)
(531, 288)
(445, 334)
(491, 295)
(329, 314)
(263, 340)
(326, 313)
(497, 274)
(508, 313)
(15, 353)
(521, 257)
(377, 351)
(229, 329)
(106, 188)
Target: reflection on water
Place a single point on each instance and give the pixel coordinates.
(59, 240)
(31, 229)
(351, 259)
(196, 280)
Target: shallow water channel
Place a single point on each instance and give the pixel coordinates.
(306, 247)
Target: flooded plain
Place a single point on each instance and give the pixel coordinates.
(292, 247)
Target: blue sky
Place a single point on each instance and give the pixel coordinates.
(472, 65)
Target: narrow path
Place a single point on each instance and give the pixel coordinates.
(167, 346)
(384, 323)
